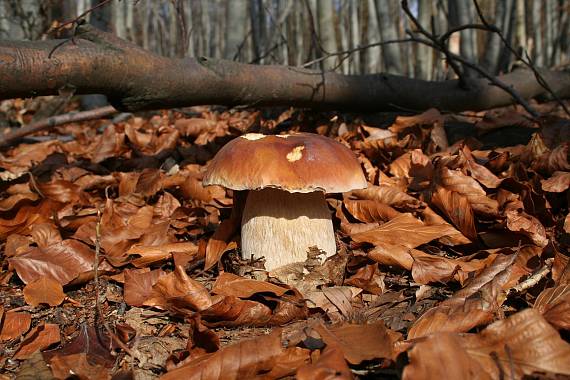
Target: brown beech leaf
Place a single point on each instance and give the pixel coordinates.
(453, 238)
(431, 269)
(458, 210)
(40, 338)
(17, 244)
(26, 217)
(477, 171)
(471, 306)
(194, 126)
(94, 344)
(243, 360)
(361, 342)
(521, 222)
(330, 365)
(16, 200)
(388, 195)
(219, 241)
(45, 234)
(429, 117)
(62, 262)
(229, 284)
(153, 254)
(404, 230)
(368, 211)
(522, 344)
(559, 182)
(179, 293)
(79, 366)
(62, 191)
(567, 224)
(138, 285)
(442, 357)
(456, 181)
(554, 304)
(149, 182)
(110, 144)
(44, 290)
(14, 324)
(556, 160)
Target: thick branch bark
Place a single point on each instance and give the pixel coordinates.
(134, 79)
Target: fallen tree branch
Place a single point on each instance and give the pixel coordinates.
(134, 79)
(54, 121)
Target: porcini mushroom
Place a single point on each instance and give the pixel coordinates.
(285, 211)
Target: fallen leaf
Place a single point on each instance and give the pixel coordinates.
(559, 182)
(330, 365)
(229, 284)
(243, 360)
(14, 324)
(44, 290)
(40, 338)
(458, 210)
(138, 285)
(62, 262)
(368, 211)
(78, 366)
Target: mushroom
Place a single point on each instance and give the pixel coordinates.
(285, 211)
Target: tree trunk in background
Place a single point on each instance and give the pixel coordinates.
(236, 15)
(387, 22)
(551, 26)
(538, 53)
(563, 44)
(521, 25)
(503, 11)
(508, 33)
(325, 17)
(372, 54)
(119, 18)
(441, 71)
(353, 9)
(424, 54)
(460, 14)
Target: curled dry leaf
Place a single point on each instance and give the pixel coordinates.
(157, 253)
(179, 293)
(40, 338)
(457, 208)
(429, 117)
(522, 344)
(559, 182)
(14, 324)
(138, 285)
(360, 342)
(455, 180)
(368, 211)
(44, 290)
(45, 234)
(229, 284)
(63, 262)
(26, 217)
(79, 366)
(471, 306)
(521, 222)
(388, 195)
(243, 360)
(330, 365)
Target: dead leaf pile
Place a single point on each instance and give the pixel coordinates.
(453, 263)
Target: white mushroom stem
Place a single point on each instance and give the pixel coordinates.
(281, 226)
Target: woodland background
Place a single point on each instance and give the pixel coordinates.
(297, 32)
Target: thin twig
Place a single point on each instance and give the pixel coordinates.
(54, 121)
(534, 279)
(99, 316)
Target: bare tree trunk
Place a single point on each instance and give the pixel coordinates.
(119, 18)
(373, 54)
(440, 25)
(503, 11)
(326, 32)
(235, 28)
(521, 24)
(388, 21)
(353, 6)
(424, 54)
(460, 14)
(538, 50)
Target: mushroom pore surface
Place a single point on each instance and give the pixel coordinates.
(281, 226)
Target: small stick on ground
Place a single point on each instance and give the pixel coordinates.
(99, 316)
(534, 278)
(54, 121)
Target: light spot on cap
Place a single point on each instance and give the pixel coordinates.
(253, 136)
(296, 154)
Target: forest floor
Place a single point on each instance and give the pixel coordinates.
(453, 263)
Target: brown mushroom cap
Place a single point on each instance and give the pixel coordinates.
(298, 163)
